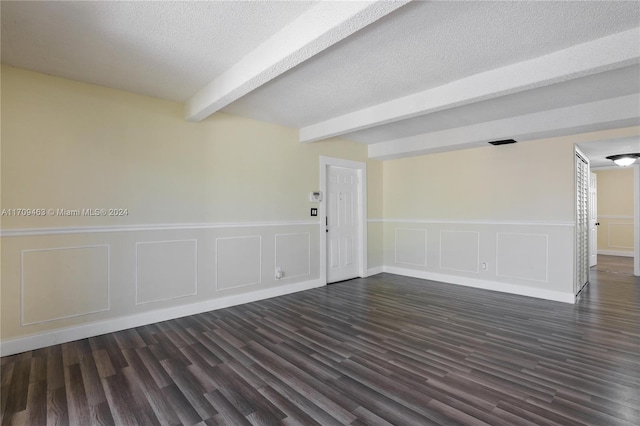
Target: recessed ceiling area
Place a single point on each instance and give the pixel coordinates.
(597, 151)
(405, 77)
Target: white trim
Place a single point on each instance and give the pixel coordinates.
(601, 168)
(54, 337)
(275, 251)
(557, 296)
(616, 253)
(361, 167)
(22, 323)
(609, 234)
(636, 220)
(27, 232)
(259, 237)
(615, 216)
(375, 271)
(195, 293)
(476, 222)
(546, 267)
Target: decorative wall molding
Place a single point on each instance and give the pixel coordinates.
(195, 284)
(476, 267)
(424, 244)
(615, 216)
(27, 232)
(484, 284)
(609, 225)
(616, 253)
(308, 273)
(54, 337)
(244, 284)
(476, 222)
(528, 256)
(49, 249)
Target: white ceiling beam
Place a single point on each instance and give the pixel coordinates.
(604, 54)
(322, 26)
(623, 111)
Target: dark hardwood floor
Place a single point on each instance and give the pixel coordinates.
(614, 264)
(381, 350)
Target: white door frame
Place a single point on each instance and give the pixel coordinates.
(636, 215)
(593, 219)
(636, 220)
(361, 167)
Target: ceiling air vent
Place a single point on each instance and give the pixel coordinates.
(503, 142)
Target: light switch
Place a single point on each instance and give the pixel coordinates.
(314, 211)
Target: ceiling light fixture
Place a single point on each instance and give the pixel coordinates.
(624, 160)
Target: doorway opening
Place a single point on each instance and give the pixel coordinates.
(615, 244)
(619, 221)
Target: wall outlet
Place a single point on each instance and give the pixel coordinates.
(279, 273)
(484, 266)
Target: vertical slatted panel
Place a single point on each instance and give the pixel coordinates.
(582, 223)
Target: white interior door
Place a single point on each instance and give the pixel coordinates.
(343, 224)
(593, 220)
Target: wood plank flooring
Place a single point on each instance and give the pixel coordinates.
(376, 351)
(614, 264)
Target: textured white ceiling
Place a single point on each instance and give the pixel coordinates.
(172, 50)
(598, 151)
(427, 44)
(165, 49)
(611, 84)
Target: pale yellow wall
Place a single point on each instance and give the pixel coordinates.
(500, 218)
(615, 209)
(615, 191)
(527, 181)
(72, 145)
(69, 145)
(524, 181)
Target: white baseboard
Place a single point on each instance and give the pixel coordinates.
(557, 296)
(375, 271)
(55, 337)
(616, 253)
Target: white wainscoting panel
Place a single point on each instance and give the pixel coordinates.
(524, 256)
(460, 250)
(621, 235)
(166, 270)
(64, 282)
(411, 246)
(238, 261)
(293, 254)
